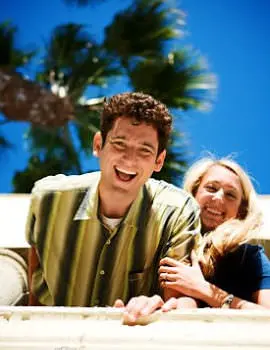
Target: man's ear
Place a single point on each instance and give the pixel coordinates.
(160, 161)
(97, 144)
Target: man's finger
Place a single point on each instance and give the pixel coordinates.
(140, 306)
(118, 303)
(170, 304)
(154, 303)
(135, 306)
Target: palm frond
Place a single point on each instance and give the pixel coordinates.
(178, 80)
(141, 30)
(74, 61)
(175, 163)
(37, 168)
(4, 144)
(87, 125)
(54, 143)
(11, 56)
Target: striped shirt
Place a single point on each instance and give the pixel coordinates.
(84, 263)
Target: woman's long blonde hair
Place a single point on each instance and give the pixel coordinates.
(234, 232)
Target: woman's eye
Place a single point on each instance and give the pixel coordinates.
(211, 188)
(231, 195)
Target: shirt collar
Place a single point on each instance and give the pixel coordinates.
(88, 208)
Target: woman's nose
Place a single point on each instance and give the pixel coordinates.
(219, 194)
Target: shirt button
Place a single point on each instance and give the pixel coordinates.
(102, 272)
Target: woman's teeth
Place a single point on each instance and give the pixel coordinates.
(214, 211)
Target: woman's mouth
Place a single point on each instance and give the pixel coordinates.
(216, 213)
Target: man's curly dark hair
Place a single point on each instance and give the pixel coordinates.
(143, 108)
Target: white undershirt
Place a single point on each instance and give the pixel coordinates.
(112, 223)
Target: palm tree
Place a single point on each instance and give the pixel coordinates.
(137, 38)
(10, 58)
(22, 99)
(73, 62)
(134, 47)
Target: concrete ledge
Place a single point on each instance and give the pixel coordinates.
(102, 328)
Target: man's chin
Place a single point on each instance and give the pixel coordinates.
(124, 186)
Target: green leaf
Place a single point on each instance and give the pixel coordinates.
(11, 56)
(36, 169)
(176, 80)
(140, 30)
(75, 61)
(87, 124)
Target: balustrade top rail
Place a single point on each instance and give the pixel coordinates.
(102, 328)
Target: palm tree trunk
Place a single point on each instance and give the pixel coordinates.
(24, 100)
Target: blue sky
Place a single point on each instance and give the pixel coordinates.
(232, 35)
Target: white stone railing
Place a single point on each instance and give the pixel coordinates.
(102, 328)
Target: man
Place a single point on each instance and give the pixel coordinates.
(98, 237)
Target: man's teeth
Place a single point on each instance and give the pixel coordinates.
(125, 171)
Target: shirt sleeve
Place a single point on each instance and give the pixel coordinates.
(185, 234)
(40, 188)
(31, 221)
(259, 267)
(33, 212)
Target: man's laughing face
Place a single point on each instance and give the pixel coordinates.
(129, 155)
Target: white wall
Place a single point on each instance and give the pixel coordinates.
(14, 208)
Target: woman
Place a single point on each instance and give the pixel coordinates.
(228, 272)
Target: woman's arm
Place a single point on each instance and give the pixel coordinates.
(262, 297)
(190, 281)
(215, 297)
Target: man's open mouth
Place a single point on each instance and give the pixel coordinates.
(125, 175)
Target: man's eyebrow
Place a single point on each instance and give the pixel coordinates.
(112, 138)
(149, 145)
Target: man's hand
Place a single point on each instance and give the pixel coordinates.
(119, 303)
(138, 307)
(179, 303)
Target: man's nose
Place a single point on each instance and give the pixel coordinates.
(130, 154)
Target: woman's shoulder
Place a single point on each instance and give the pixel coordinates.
(252, 256)
(249, 250)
